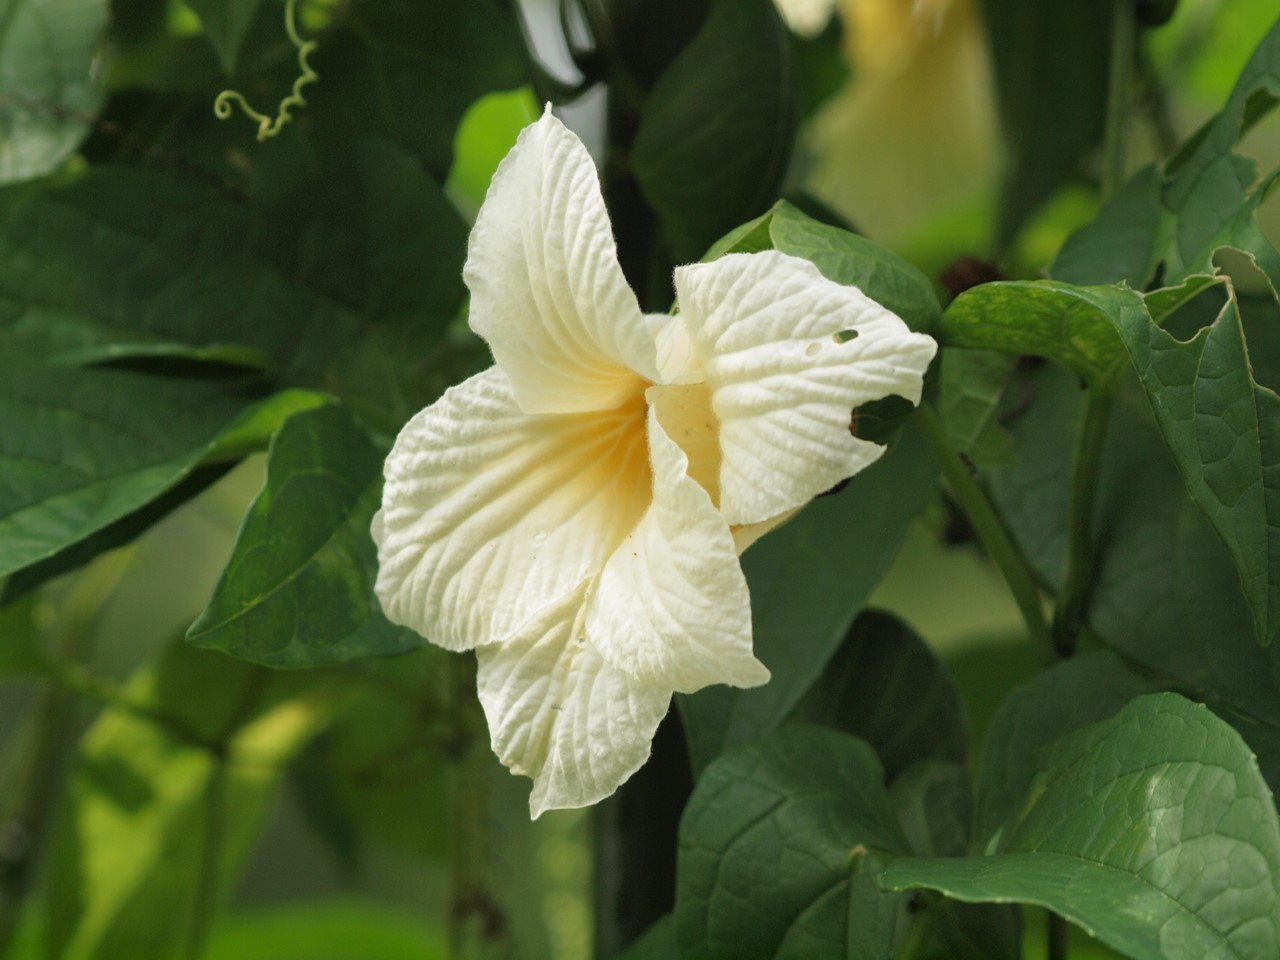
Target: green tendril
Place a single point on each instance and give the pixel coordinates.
(268, 126)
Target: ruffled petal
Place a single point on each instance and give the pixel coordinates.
(772, 335)
(547, 292)
(559, 713)
(672, 606)
(489, 514)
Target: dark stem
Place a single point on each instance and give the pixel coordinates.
(22, 826)
(1069, 614)
(636, 842)
(204, 899)
(1056, 935)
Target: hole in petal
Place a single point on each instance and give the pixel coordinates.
(844, 336)
(812, 350)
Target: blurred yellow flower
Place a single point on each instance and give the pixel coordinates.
(915, 131)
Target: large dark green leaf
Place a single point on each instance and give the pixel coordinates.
(1220, 425)
(160, 814)
(716, 131)
(298, 590)
(1177, 217)
(779, 853)
(969, 391)
(1051, 69)
(1224, 432)
(808, 580)
(406, 72)
(83, 449)
(656, 943)
(1153, 829)
(934, 801)
(885, 686)
(1071, 695)
(352, 299)
(841, 256)
(1165, 591)
(225, 24)
(47, 98)
(1073, 325)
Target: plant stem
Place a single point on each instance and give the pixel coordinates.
(475, 920)
(987, 525)
(75, 678)
(205, 897)
(1056, 936)
(22, 825)
(1119, 97)
(1069, 613)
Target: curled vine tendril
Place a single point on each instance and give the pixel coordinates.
(270, 126)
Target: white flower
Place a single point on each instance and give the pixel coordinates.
(575, 513)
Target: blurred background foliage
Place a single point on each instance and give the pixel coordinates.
(320, 808)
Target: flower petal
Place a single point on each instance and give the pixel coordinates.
(768, 328)
(547, 292)
(672, 606)
(560, 714)
(489, 514)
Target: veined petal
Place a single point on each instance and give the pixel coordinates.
(559, 713)
(768, 329)
(547, 292)
(490, 514)
(672, 606)
(677, 362)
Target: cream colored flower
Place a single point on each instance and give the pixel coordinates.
(575, 512)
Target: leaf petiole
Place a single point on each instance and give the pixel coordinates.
(991, 531)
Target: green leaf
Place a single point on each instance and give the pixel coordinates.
(1074, 325)
(716, 131)
(850, 259)
(1165, 593)
(840, 256)
(808, 581)
(656, 943)
(1074, 694)
(1153, 830)
(351, 297)
(47, 49)
(390, 72)
(1050, 61)
(298, 590)
(1204, 198)
(225, 24)
(885, 686)
(1117, 245)
(804, 804)
(1224, 432)
(160, 814)
(970, 387)
(84, 449)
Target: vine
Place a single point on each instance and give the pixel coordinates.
(271, 126)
